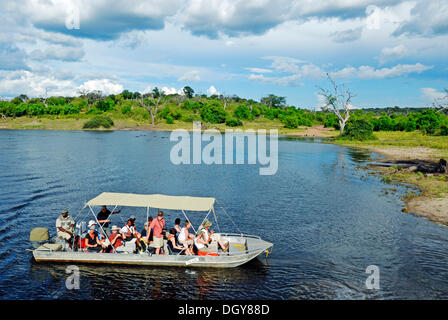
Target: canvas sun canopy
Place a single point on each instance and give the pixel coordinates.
(158, 201)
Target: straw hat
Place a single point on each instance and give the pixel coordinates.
(207, 224)
(115, 228)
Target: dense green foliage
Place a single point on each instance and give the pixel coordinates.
(234, 122)
(238, 111)
(97, 122)
(360, 129)
(213, 112)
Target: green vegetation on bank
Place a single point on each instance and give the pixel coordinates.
(175, 111)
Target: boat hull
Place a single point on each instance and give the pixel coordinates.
(238, 255)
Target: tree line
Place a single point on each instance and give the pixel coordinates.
(156, 106)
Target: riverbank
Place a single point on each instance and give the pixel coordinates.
(60, 123)
(432, 200)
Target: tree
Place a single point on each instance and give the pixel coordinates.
(441, 104)
(337, 100)
(179, 98)
(152, 102)
(188, 92)
(23, 97)
(273, 101)
(225, 99)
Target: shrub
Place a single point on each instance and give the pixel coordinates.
(256, 111)
(55, 109)
(57, 101)
(94, 110)
(234, 122)
(192, 105)
(384, 123)
(243, 112)
(169, 119)
(139, 113)
(105, 105)
(290, 122)
(36, 109)
(98, 121)
(444, 130)
(410, 126)
(213, 112)
(125, 109)
(428, 121)
(331, 121)
(71, 109)
(191, 118)
(272, 114)
(359, 130)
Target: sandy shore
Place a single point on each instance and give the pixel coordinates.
(431, 203)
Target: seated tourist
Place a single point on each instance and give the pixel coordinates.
(65, 225)
(93, 243)
(132, 218)
(210, 237)
(185, 238)
(174, 246)
(130, 234)
(97, 229)
(116, 238)
(177, 225)
(200, 243)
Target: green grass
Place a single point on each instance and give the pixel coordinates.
(437, 145)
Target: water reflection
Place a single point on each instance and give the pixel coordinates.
(116, 282)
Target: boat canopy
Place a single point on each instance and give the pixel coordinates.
(159, 201)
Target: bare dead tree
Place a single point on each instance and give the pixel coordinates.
(152, 102)
(225, 99)
(338, 101)
(441, 104)
(179, 98)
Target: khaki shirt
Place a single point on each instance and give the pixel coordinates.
(65, 223)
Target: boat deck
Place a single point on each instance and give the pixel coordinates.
(238, 254)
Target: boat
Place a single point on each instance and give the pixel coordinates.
(242, 247)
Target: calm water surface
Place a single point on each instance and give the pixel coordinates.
(328, 219)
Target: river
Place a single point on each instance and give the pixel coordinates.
(328, 219)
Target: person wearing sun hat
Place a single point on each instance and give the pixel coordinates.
(200, 243)
(116, 238)
(213, 239)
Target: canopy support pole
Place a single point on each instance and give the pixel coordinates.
(231, 219)
(188, 220)
(216, 220)
(93, 213)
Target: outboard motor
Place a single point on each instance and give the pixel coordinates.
(39, 236)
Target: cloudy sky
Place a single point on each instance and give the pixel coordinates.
(389, 52)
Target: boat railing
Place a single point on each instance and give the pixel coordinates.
(241, 235)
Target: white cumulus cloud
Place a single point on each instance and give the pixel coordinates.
(212, 91)
(106, 86)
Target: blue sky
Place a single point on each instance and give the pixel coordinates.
(387, 52)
